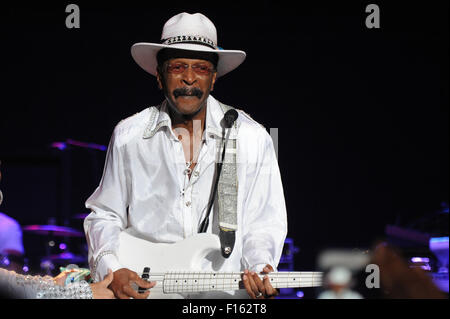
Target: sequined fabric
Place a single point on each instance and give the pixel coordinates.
(228, 184)
(16, 286)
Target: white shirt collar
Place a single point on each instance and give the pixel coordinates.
(159, 117)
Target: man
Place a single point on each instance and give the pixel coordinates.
(160, 168)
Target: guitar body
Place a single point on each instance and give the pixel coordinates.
(189, 268)
(196, 253)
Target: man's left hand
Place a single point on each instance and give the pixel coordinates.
(257, 288)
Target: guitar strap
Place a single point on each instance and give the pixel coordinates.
(227, 190)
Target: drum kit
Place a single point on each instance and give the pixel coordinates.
(57, 252)
(56, 239)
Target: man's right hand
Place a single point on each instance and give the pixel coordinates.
(121, 284)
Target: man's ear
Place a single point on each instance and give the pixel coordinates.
(159, 79)
(213, 81)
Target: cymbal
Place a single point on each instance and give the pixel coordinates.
(54, 230)
(66, 257)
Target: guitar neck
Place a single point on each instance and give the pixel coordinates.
(187, 281)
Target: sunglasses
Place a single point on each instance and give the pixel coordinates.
(199, 68)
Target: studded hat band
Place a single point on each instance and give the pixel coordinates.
(190, 39)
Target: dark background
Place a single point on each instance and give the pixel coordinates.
(362, 114)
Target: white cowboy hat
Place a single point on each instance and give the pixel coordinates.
(193, 32)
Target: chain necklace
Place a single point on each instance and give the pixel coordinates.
(188, 169)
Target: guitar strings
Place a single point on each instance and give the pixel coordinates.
(191, 281)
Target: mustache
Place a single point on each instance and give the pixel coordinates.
(184, 91)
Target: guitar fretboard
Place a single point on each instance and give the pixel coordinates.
(188, 281)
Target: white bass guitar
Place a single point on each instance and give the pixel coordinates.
(180, 270)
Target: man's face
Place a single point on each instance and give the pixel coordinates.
(187, 83)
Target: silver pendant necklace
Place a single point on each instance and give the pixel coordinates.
(188, 169)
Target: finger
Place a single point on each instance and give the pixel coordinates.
(143, 295)
(245, 279)
(60, 279)
(152, 284)
(270, 291)
(108, 278)
(259, 284)
(268, 268)
(142, 283)
(253, 285)
(133, 293)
